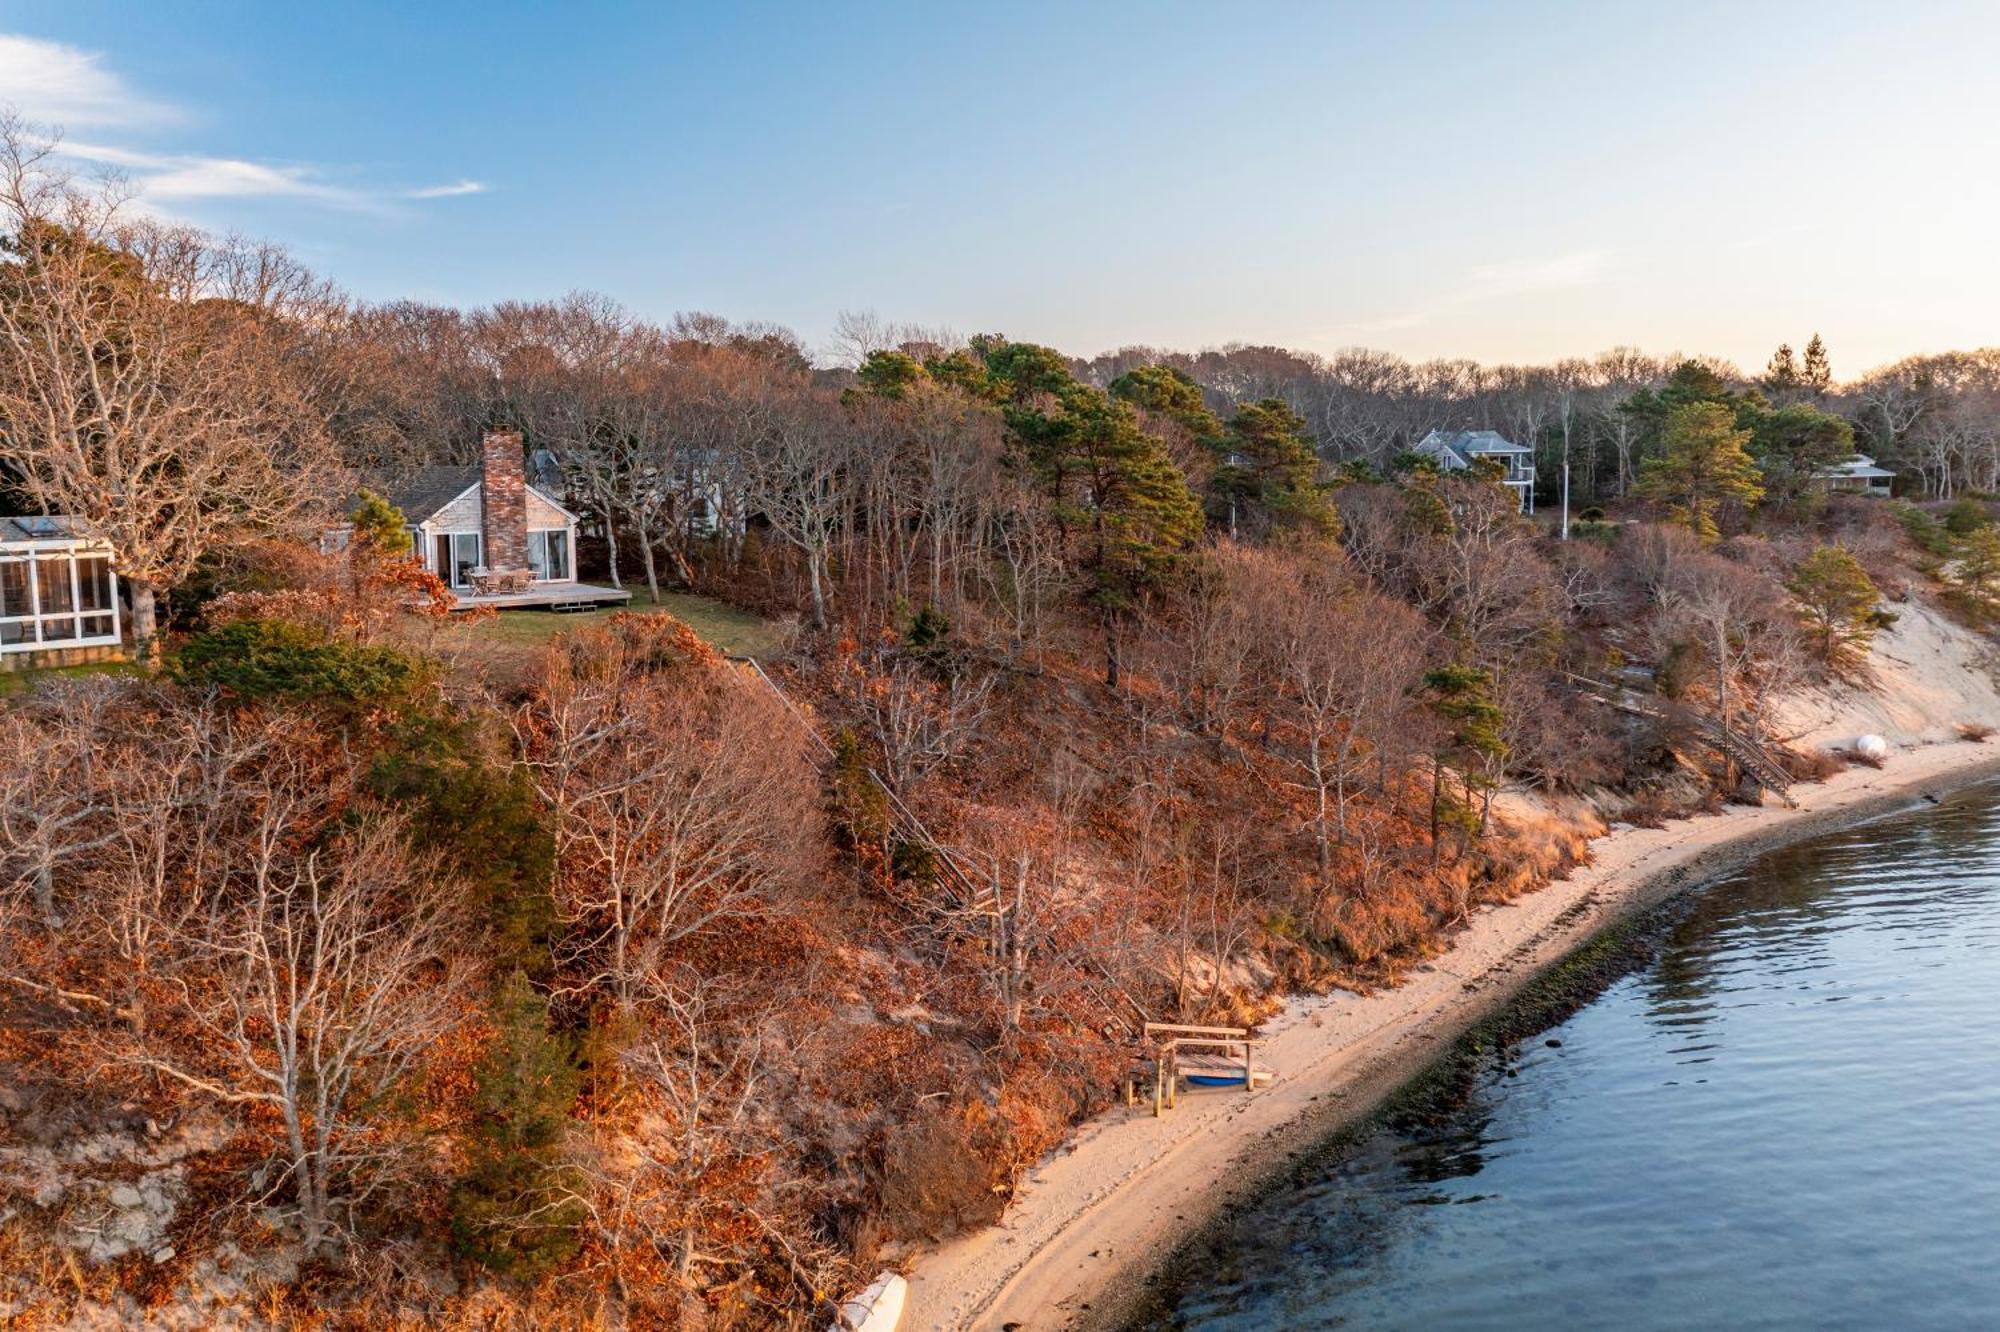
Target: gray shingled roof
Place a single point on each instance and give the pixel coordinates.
(1471, 443)
(426, 490)
(1465, 445)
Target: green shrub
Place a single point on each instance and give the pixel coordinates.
(913, 862)
(860, 809)
(1924, 531)
(1589, 529)
(1965, 517)
(260, 659)
(483, 820)
(509, 1209)
(1677, 670)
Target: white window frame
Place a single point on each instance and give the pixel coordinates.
(31, 554)
(568, 535)
(449, 572)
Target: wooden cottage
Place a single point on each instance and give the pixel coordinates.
(491, 536)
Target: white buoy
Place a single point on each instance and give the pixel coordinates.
(1872, 747)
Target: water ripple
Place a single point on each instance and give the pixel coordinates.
(1783, 1122)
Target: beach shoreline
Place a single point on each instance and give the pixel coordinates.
(1093, 1221)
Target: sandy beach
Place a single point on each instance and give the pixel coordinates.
(1095, 1217)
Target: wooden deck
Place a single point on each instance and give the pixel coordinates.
(546, 596)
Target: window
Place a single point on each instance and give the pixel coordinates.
(56, 597)
(93, 583)
(548, 556)
(15, 598)
(93, 596)
(52, 584)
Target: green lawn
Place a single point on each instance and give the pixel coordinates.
(725, 628)
(507, 642)
(14, 682)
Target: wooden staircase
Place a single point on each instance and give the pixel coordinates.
(1745, 751)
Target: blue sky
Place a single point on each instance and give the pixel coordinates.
(1500, 181)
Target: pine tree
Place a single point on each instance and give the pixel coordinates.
(1690, 382)
(511, 1210)
(1138, 519)
(1172, 393)
(1976, 576)
(1794, 445)
(890, 374)
(1473, 743)
(1704, 466)
(1782, 374)
(1269, 482)
(1123, 506)
(1837, 600)
(1425, 511)
(1818, 375)
(378, 526)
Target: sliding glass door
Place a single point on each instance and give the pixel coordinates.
(548, 556)
(455, 555)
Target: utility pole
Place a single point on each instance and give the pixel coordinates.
(1565, 518)
(1565, 522)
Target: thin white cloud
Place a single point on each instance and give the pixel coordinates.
(1386, 324)
(1491, 282)
(59, 84)
(181, 176)
(227, 178)
(67, 87)
(1577, 269)
(451, 191)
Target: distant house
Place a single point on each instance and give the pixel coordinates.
(1858, 476)
(492, 537)
(58, 594)
(1456, 451)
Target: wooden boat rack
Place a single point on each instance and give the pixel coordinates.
(1176, 1053)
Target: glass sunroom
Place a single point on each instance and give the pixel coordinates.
(57, 588)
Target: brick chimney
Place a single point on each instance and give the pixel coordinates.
(503, 500)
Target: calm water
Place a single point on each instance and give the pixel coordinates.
(1791, 1119)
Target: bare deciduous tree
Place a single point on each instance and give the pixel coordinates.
(144, 387)
(240, 922)
(312, 985)
(1344, 659)
(680, 791)
(801, 474)
(919, 723)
